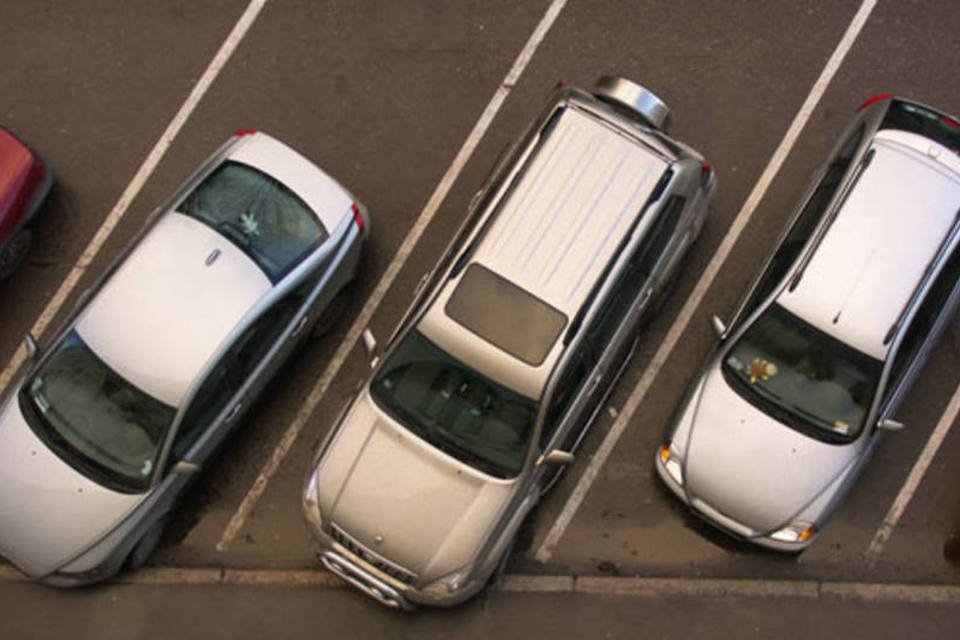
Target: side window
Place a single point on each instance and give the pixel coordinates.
(663, 229)
(805, 222)
(227, 377)
(570, 382)
(924, 320)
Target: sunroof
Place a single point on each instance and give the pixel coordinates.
(505, 315)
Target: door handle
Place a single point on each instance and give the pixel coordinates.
(593, 384)
(233, 412)
(645, 295)
(301, 323)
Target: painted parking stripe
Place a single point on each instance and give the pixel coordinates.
(917, 473)
(139, 179)
(386, 280)
(545, 551)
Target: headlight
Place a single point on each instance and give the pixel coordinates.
(670, 458)
(311, 502)
(450, 583)
(796, 532)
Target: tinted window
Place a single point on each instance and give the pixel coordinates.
(663, 229)
(455, 408)
(805, 223)
(928, 123)
(566, 389)
(209, 401)
(93, 418)
(258, 214)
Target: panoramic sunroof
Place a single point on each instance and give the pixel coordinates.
(505, 315)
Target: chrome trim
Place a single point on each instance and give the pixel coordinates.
(363, 552)
(364, 581)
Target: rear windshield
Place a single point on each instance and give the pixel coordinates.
(505, 315)
(259, 215)
(926, 122)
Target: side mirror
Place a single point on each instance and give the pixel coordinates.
(31, 346)
(184, 468)
(370, 344)
(889, 425)
(556, 456)
(719, 327)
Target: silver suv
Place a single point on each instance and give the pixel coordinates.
(164, 355)
(827, 340)
(513, 343)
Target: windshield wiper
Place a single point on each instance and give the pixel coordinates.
(446, 442)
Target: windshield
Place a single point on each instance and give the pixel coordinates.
(94, 419)
(789, 368)
(258, 214)
(455, 408)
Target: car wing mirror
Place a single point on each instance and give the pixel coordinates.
(31, 345)
(890, 425)
(184, 468)
(370, 345)
(556, 457)
(719, 327)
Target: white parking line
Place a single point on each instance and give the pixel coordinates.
(913, 480)
(545, 551)
(386, 280)
(130, 193)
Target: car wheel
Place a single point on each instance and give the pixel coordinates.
(14, 253)
(146, 545)
(332, 313)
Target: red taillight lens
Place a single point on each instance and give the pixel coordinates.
(361, 225)
(246, 132)
(950, 122)
(882, 96)
(706, 170)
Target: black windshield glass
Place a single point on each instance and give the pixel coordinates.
(258, 214)
(455, 408)
(95, 420)
(820, 384)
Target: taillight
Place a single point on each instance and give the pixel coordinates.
(706, 170)
(246, 132)
(874, 99)
(950, 122)
(361, 225)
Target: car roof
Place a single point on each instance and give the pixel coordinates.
(324, 195)
(165, 311)
(876, 252)
(558, 229)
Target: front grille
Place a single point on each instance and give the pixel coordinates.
(367, 555)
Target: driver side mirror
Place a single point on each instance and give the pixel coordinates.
(890, 425)
(556, 457)
(31, 345)
(370, 344)
(719, 327)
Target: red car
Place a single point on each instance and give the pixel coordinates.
(24, 182)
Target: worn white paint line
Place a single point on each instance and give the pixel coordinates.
(545, 551)
(139, 179)
(645, 587)
(917, 473)
(386, 280)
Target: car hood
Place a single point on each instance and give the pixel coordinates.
(49, 513)
(749, 466)
(403, 499)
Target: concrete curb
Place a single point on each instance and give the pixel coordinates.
(591, 585)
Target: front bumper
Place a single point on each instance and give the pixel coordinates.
(724, 523)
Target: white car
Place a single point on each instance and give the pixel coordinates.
(165, 353)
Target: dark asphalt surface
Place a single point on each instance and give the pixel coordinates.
(382, 95)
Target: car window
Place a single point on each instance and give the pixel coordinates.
(923, 321)
(805, 223)
(565, 390)
(258, 214)
(94, 419)
(651, 250)
(229, 376)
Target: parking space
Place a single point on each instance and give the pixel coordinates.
(382, 95)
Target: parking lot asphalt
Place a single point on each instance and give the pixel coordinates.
(382, 95)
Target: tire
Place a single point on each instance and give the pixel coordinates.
(330, 315)
(147, 544)
(13, 254)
